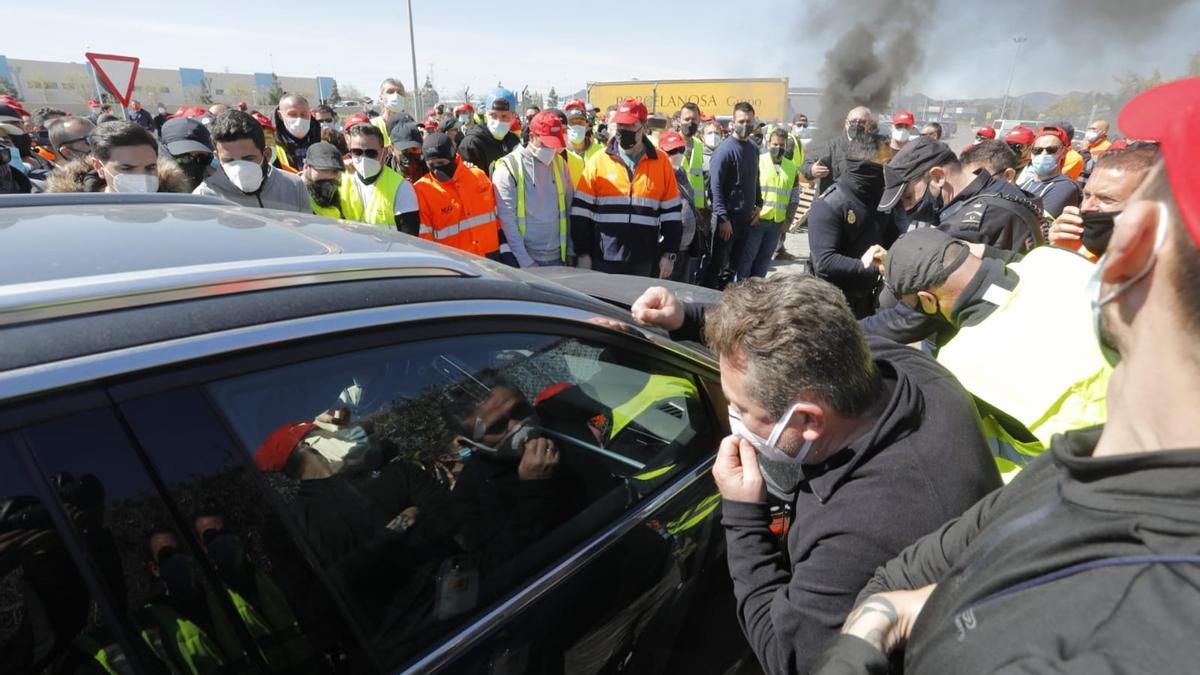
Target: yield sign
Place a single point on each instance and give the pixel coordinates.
(118, 73)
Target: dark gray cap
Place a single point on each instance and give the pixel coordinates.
(324, 157)
(183, 135)
(405, 136)
(918, 260)
(916, 158)
(438, 146)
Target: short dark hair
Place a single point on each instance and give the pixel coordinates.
(796, 119)
(743, 106)
(779, 132)
(235, 125)
(324, 108)
(796, 334)
(1067, 127)
(995, 155)
(368, 130)
(107, 118)
(691, 106)
(43, 115)
(937, 128)
(112, 135)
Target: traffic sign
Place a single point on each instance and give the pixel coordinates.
(118, 73)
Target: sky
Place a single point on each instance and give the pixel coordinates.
(1080, 45)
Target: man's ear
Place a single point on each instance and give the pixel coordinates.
(99, 167)
(928, 302)
(1132, 241)
(1010, 175)
(809, 418)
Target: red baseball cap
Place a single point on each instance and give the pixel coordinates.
(575, 104)
(546, 126)
(274, 452)
(1019, 134)
(1169, 114)
(987, 132)
(903, 117)
(431, 124)
(671, 140)
(263, 120)
(1057, 132)
(630, 111)
(354, 120)
(464, 108)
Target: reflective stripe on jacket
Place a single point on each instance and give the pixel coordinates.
(460, 213)
(776, 182)
(380, 208)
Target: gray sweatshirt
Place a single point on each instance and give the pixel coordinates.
(280, 190)
(541, 240)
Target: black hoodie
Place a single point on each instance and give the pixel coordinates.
(295, 148)
(480, 147)
(1057, 573)
(924, 461)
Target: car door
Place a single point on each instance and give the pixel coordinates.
(385, 482)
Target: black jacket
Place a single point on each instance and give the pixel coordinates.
(1066, 508)
(831, 153)
(480, 148)
(988, 212)
(924, 461)
(840, 230)
(295, 148)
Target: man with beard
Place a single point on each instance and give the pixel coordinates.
(847, 233)
(823, 161)
(246, 176)
(372, 193)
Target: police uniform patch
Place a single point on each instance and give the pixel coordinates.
(850, 217)
(974, 214)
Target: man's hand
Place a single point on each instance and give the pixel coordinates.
(584, 262)
(1066, 229)
(665, 267)
(538, 460)
(736, 472)
(874, 257)
(725, 230)
(658, 307)
(754, 219)
(885, 620)
(819, 170)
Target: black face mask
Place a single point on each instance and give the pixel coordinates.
(411, 167)
(688, 129)
(444, 174)
(741, 130)
(23, 143)
(627, 139)
(194, 167)
(865, 180)
(324, 192)
(926, 210)
(1097, 231)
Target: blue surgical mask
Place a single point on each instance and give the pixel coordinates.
(14, 158)
(1044, 164)
(1095, 287)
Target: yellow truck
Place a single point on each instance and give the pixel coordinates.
(715, 97)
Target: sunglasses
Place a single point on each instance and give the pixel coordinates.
(1047, 151)
(369, 153)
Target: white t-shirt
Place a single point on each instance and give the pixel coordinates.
(406, 196)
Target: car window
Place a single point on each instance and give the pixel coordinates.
(173, 605)
(430, 478)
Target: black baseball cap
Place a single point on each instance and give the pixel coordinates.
(405, 136)
(324, 157)
(183, 135)
(438, 146)
(916, 158)
(918, 260)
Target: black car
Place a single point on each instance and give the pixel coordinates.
(238, 440)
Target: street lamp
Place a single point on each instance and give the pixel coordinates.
(412, 41)
(1018, 40)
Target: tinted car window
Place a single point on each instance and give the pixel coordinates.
(430, 478)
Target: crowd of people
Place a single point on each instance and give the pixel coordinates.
(1014, 490)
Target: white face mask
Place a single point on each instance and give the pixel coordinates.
(464, 120)
(366, 167)
(901, 135)
(1095, 285)
(245, 175)
(676, 161)
(133, 182)
(544, 155)
(781, 472)
(351, 444)
(576, 133)
(297, 126)
(499, 128)
(1091, 136)
(394, 102)
(712, 138)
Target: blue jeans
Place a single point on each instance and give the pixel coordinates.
(757, 250)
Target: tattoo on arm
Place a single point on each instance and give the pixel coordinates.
(874, 610)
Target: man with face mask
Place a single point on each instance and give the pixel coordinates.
(1115, 177)
(186, 142)
(373, 193)
(581, 146)
(14, 178)
(124, 158)
(847, 233)
(393, 101)
(533, 195)
(160, 117)
(693, 154)
(141, 117)
(484, 145)
(842, 427)
(465, 115)
(736, 197)
(823, 160)
(1047, 183)
(323, 169)
(928, 182)
(1103, 576)
(405, 156)
(456, 202)
(245, 175)
(69, 138)
(625, 218)
(675, 146)
(902, 128)
(780, 198)
(295, 130)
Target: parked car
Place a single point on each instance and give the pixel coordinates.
(261, 442)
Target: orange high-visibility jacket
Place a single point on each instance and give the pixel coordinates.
(460, 213)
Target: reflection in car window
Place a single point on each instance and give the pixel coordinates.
(430, 478)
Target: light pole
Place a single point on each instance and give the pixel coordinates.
(1018, 40)
(412, 41)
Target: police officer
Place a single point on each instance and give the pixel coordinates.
(928, 182)
(847, 233)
